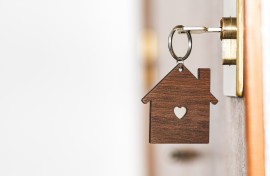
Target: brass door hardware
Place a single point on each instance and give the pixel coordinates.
(231, 34)
(227, 29)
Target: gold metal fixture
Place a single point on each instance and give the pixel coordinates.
(229, 28)
(240, 49)
(229, 33)
(232, 28)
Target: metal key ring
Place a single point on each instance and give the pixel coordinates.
(180, 28)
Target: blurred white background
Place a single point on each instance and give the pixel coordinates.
(69, 89)
(71, 81)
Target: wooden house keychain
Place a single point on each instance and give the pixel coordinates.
(180, 103)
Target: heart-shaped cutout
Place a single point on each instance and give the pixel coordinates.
(180, 112)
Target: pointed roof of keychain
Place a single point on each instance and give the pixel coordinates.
(192, 90)
(181, 82)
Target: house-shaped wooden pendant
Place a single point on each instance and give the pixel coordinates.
(180, 89)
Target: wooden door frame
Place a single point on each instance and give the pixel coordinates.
(254, 87)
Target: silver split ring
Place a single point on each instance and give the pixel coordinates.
(180, 29)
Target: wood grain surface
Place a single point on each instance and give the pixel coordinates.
(254, 88)
(180, 89)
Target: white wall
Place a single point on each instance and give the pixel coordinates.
(68, 88)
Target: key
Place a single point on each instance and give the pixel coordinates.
(197, 29)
